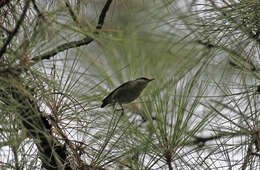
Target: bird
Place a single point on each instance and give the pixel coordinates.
(127, 92)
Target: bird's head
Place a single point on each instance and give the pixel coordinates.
(143, 81)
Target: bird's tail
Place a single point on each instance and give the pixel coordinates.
(103, 104)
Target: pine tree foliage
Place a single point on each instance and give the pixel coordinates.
(59, 59)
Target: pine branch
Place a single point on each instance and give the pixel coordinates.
(73, 44)
(14, 32)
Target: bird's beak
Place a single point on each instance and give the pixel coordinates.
(151, 80)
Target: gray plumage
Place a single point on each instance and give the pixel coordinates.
(127, 92)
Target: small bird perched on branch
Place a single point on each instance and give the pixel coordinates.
(127, 92)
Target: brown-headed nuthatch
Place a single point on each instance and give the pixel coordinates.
(127, 92)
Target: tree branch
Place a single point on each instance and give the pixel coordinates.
(72, 14)
(37, 10)
(61, 48)
(247, 157)
(78, 43)
(52, 153)
(168, 156)
(247, 63)
(197, 140)
(13, 33)
(103, 14)
(3, 3)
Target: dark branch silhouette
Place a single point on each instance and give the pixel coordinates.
(14, 32)
(73, 44)
(53, 154)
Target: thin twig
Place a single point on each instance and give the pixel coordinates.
(5, 29)
(209, 45)
(37, 10)
(103, 14)
(202, 140)
(73, 16)
(247, 157)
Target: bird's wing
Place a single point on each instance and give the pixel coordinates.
(110, 94)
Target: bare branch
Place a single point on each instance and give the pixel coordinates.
(103, 14)
(61, 48)
(74, 44)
